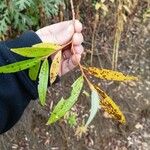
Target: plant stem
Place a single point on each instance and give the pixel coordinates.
(80, 66)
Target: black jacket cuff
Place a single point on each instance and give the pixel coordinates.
(27, 39)
(3, 116)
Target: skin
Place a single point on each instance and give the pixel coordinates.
(62, 33)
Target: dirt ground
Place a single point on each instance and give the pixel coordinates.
(31, 133)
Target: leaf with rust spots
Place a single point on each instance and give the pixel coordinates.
(55, 67)
(109, 74)
(109, 106)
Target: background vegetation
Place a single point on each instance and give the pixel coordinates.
(117, 35)
(22, 15)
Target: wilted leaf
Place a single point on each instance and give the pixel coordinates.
(63, 105)
(81, 130)
(55, 67)
(94, 106)
(124, 17)
(86, 93)
(33, 72)
(110, 107)
(43, 81)
(98, 5)
(104, 7)
(127, 9)
(19, 66)
(34, 51)
(109, 74)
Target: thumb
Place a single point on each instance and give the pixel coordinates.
(65, 35)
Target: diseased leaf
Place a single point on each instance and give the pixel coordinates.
(43, 82)
(47, 45)
(94, 106)
(34, 51)
(19, 66)
(55, 67)
(64, 105)
(109, 74)
(33, 72)
(81, 130)
(109, 106)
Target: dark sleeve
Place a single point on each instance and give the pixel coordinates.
(16, 90)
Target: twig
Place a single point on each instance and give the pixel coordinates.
(119, 29)
(81, 68)
(72, 9)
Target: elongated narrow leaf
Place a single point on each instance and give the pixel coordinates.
(34, 51)
(55, 67)
(47, 45)
(109, 106)
(33, 72)
(109, 74)
(43, 81)
(64, 105)
(94, 106)
(37, 50)
(19, 66)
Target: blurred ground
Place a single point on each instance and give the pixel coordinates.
(31, 133)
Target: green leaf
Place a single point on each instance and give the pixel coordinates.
(23, 4)
(48, 45)
(72, 120)
(33, 72)
(94, 106)
(63, 105)
(19, 66)
(34, 51)
(43, 82)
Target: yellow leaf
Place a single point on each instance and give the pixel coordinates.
(112, 1)
(124, 17)
(81, 130)
(48, 45)
(104, 7)
(109, 74)
(127, 9)
(109, 106)
(55, 67)
(97, 5)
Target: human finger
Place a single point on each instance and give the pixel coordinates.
(70, 64)
(57, 27)
(78, 49)
(78, 26)
(77, 39)
(66, 54)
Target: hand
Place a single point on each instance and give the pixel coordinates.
(61, 33)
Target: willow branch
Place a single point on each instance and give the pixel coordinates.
(72, 9)
(81, 68)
